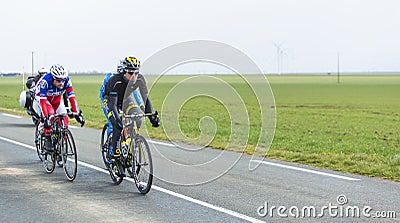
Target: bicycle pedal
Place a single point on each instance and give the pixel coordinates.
(120, 174)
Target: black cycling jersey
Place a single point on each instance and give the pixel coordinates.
(114, 98)
(117, 85)
(32, 80)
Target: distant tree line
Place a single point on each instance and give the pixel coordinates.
(9, 74)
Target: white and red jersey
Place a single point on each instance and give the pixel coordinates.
(48, 92)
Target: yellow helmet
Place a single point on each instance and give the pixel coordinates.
(131, 64)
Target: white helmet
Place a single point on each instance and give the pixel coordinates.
(22, 99)
(58, 72)
(43, 71)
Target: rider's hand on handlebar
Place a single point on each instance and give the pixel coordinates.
(79, 118)
(142, 108)
(154, 119)
(47, 122)
(70, 113)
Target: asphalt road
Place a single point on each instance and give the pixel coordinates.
(191, 185)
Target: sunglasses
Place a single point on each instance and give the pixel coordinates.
(60, 80)
(131, 72)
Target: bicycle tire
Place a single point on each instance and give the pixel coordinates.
(104, 145)
(68, 154)
(143, 165)
(117, 179)
(35, 121)
(59, 160)
(39, 143)
(49, 162)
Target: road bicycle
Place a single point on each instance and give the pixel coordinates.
(64, 149)
(135, 155)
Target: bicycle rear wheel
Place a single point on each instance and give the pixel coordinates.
(143, 165)
(104, 145)
(69, 155)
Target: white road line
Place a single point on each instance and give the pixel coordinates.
(280, 165)
(163, 190)
(12, 116)
(17, 143)
(162, 143)
(205, 204)
(306, 170)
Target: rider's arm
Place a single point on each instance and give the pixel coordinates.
(43, 96)
(148, 107)
(65, 99)
(144, 93)
(103, 86)
(111, 102)
(36, 79)
(30, 82)
(138, 97)
(112, 108)
(71, 96)
(154, 119)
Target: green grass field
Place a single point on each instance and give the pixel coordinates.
(352, 127)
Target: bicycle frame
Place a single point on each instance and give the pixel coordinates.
(64, 152)
(135, 155)
(131, 135)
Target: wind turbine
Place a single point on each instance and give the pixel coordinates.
(279, 52)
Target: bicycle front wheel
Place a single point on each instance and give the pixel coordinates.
(39, 142)
(68, 154)
(143, 165)
(49, 162)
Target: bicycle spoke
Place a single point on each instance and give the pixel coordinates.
(68, 155)
(104, 144)
(143, 173)
(49, 162)
(39, 142)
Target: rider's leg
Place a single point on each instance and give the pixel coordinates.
(50, 111)
(114, 148)
(36, 106)
(47, 131)
(110, 127)
(36, 109)
(60, 109)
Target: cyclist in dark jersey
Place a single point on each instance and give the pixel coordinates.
(136, 94)
(26, 98)
(116, 88)
(32, 80)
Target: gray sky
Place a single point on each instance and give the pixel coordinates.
(89, 35)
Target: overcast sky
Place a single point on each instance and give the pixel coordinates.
(89, 35)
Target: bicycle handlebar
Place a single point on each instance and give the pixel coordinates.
(137, 115)
(64, 114)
